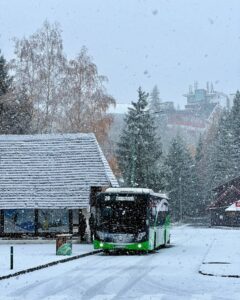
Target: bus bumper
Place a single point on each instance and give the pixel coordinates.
(141, 246)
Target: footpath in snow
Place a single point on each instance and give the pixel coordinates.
(32, 255)
(223, 256)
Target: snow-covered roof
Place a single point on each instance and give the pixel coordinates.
(51, 171)
(226, 195)
(135, 191)
(234, 207)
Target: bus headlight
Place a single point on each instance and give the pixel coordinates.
(140, 236)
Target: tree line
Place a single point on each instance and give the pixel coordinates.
(42, 91)
(187, 177)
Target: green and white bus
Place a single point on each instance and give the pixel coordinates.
(131, 219)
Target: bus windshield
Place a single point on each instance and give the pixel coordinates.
(119, 216)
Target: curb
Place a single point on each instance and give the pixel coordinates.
(210, 274)
(49, 264)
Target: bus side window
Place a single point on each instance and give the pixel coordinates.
(161, 218)
(153, 213)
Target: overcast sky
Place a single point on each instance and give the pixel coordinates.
(136, 42)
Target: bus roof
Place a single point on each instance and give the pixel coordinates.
(135, 191)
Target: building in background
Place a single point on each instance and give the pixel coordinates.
(225, 209)
(47, 179)
(203, 108)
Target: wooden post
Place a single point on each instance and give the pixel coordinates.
(11, 257)
(70, 216)
(2, 222)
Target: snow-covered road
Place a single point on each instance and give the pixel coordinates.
(168, 274)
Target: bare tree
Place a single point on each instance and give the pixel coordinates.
(39, 66)
(86, 101)
(67, 96)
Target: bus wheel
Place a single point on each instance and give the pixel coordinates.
(106, 252)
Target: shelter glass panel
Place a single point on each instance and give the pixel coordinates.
(19, 221)
(53, 220)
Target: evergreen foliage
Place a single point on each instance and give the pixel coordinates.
(5, 78)
(218, 157)
(155, 102)
(199, 150)
(181, 182)
(16, 110)
(139, 151)
(16, 113)
(235, 116)
(223, 162)
(235, 120)
(205, 161)
(199, 180)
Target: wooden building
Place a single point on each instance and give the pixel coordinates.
(224, 209)
(46, 179)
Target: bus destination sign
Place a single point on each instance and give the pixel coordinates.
(120, 198)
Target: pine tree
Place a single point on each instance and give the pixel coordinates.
(224, 161)
(24, 112)
(224, 158)
(15, 108)
(221, 156)
(155, 102)
(199, 150)
(235, 115)
(139, 151)
(181, 180)
(199, 180)
(5, 78)
(205, 163)
(235, 120)
(16, 112)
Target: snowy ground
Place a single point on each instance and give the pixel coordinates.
(32, 255)
(168, 274)
(223, 256)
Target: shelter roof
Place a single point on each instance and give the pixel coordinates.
(51, 171)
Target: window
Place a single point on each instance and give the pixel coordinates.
(153, 213)
(19, 221)
(161, 218)
(53, 220)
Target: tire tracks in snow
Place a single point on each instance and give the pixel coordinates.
(100, 287)
(134, 277)
(73, 277)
